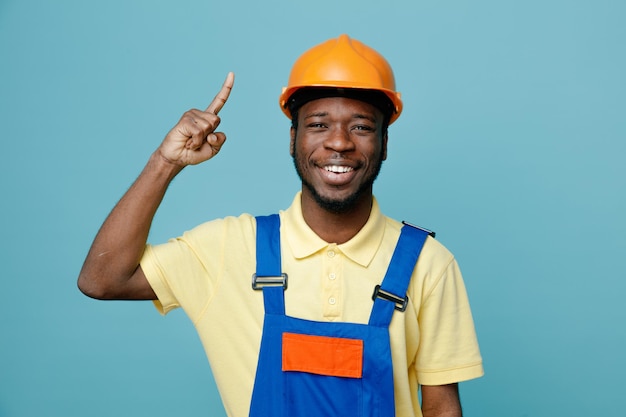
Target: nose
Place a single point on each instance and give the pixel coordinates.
(339, 140)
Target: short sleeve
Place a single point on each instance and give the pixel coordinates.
(184, 271)
(448, 349)
(156, 276)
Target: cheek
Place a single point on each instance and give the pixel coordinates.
(384, 149)
(302, 148)
(375, 153)
(292, 141)
(300, 157)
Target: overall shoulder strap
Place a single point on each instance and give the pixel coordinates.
(391, 294)
(269, 276)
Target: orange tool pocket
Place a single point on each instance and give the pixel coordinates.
(322, 355)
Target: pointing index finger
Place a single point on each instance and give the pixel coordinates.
(221, 97)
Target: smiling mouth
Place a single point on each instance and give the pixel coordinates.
(338, 169)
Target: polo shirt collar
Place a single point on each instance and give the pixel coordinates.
(303, 241)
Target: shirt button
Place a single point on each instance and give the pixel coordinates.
(331, 253)
(332, 276)
(332, 301)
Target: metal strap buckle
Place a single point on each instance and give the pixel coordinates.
(258, 282)
(400, 303)
(430, 232)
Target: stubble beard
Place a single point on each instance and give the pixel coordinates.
(339, 206)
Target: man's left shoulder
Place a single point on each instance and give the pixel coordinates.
(433, 249)
(395, 226)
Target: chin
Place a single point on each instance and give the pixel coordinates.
(335, 204)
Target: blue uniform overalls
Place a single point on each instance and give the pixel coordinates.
(309, 368)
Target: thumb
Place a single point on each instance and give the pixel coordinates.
(215, 141)
(209, 148)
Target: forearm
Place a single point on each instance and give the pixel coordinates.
(442, 413)
(115, 253)
(441, 401)
(111, 270)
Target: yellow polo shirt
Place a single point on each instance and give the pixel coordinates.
(207, 271)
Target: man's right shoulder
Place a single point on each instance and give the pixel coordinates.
(229, 226)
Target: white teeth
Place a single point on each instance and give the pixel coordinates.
(337, 169)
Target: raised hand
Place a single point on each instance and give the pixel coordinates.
(194, 140)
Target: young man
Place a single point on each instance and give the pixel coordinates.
(341, 320)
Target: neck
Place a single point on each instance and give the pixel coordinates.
(336, 227)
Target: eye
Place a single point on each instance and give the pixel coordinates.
(316, 125)
(364, 128)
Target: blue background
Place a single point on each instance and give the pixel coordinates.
(511, 147)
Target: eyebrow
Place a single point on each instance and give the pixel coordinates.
(316, 114)
(354, 116)
(364, 116)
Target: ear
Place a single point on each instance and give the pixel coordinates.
(384, 147)
(292, 142)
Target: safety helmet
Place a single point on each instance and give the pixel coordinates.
(342, 63)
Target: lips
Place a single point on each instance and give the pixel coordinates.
(337, 175)
(338, 169)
